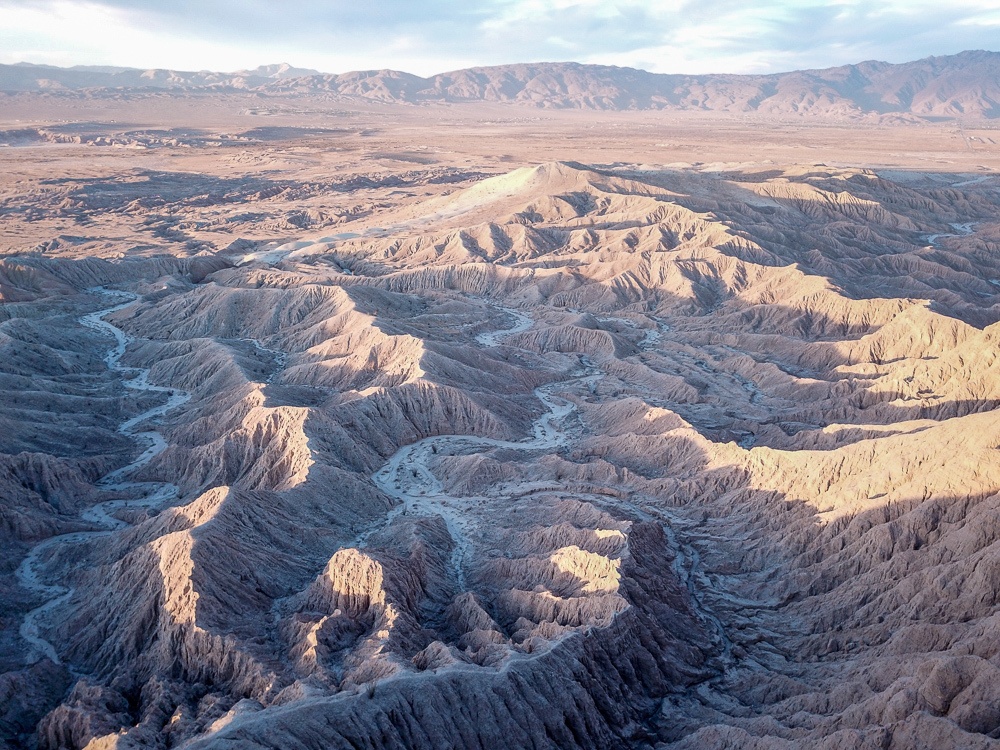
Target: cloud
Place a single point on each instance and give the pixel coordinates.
(434, 35)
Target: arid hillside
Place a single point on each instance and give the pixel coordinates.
(483, 454)
(962, 86)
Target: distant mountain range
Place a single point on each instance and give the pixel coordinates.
(966, 85)
(28, 77)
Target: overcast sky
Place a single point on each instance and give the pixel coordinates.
(432, 36)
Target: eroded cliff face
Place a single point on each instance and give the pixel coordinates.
(565, 458)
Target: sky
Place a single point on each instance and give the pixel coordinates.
(433, 36)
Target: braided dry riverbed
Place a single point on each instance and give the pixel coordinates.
(31, 573)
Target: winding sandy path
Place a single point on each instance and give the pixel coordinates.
(522, 323)
(144, 494)
(406, 476)
(961, 230)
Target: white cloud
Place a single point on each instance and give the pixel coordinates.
(65, 33)
(435, 35)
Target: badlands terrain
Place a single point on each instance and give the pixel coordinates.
(359, 425)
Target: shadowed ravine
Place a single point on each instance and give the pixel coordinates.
(661, 458)
(146, 494)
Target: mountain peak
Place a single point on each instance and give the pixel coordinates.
(278, 71)
(965, 85)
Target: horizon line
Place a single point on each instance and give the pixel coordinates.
(313, 72)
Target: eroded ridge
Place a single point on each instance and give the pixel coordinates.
(568, 457)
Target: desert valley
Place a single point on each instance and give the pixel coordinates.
(520, 407)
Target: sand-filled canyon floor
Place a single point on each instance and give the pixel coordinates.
(485, 426)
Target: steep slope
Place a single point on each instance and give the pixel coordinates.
(567, 457)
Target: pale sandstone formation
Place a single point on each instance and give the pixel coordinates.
(571, 457)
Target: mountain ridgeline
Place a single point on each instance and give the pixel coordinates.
(962, 86)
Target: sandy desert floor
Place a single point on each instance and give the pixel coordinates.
(489, 426)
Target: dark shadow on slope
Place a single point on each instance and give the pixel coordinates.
(869, 250)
